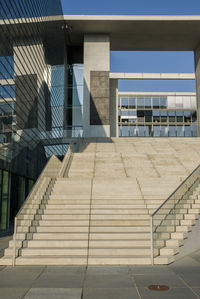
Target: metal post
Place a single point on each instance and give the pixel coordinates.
(14, 242)
(151, 232)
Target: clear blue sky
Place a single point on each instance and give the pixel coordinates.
(144, 61)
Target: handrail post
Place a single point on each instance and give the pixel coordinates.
(151, 238)
(14, 242)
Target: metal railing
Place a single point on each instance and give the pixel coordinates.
(43, 180)
(167, 211)
(44, 177)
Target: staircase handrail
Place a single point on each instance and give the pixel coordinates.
(35, 187)
(164, 203)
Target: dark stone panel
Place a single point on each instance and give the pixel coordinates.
(99, 98)
(99, 111)
(27, 101)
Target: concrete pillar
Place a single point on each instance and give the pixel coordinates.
(96, 122)
(197, 74)
(114, 108)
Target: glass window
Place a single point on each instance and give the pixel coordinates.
(125, 131)
(4, 202)
(119, 131)
(194, 130)
(133, 131)
(187, 116)
(163, 102)
(194, 116)
(180, 131)
(156, 103)
(148, 131)
(124, 103)
(132, 103)
(179, 116)
(164, 131)
(172, 114)
(156, 116)
(156, 131)
(163, 115)
(141, 131)
(132, 113)
(140, 103)
(188, 131)
(172, 131)
(147, 103)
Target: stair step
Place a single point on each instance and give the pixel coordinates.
(169, 251)
(120, 251)
(164, 260)
(127, 260)
(60, 236)
(60, 229)
(57, 243)
(51, 260)
(54, 252)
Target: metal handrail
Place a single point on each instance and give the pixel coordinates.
(26, 200)
(160, 207)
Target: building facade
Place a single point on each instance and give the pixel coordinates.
(56, 86)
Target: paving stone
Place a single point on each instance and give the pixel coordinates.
(110, 293)
(53, 293)
(108, 281)
(19, 277)
(151, 269)
(107, 270)
(13, 293)
(175, 293)
(168, 279)
(59, 281)
(65, 270)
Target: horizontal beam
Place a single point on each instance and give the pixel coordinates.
(153, 76)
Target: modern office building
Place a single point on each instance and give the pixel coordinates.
(56, 86)
(157, 114)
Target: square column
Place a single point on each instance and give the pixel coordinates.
(197, 74)
(114, 108)
(96, 118)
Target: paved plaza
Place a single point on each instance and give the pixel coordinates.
(99, 282)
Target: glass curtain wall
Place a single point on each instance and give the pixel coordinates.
(28, 119)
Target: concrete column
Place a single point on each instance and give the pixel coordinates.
(114, 108)
(197, 74)
(96, 122)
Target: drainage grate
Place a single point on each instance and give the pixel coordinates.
(158, 287)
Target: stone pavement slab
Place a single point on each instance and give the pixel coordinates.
(169, 279)
(110, 293)
(19, 277)
(54, 293)
(13, 293)
(108, 281)
(176, 293)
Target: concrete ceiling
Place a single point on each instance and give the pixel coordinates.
(139, 33)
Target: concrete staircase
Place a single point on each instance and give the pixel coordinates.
(100, 213)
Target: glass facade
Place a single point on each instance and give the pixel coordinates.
(32, 96)
(157, 116)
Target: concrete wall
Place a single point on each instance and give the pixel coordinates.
(113, 108)
(96, 86)
(197, 73)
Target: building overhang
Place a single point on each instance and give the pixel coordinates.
(138, 33)
(127, 33)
